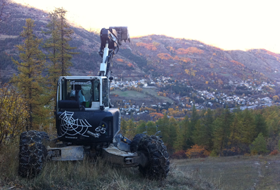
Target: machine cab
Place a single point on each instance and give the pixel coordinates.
(82, 93)
(83, 115)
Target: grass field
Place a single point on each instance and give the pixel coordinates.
(231, 173)
(89, 174)
(226, 173)
(153, 92)
(131, 94)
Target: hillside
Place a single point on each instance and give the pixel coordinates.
(153, 55)
(196, 61)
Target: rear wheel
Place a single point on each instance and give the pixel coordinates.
(32, 153)
(158, 163)
(135, 142)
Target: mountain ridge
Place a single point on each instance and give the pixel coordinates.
(152, 55)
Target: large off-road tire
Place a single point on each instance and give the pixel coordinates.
(32, 153)
(157, 166)
(44, 135)
(135, 142)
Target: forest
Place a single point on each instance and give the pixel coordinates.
(219, 132)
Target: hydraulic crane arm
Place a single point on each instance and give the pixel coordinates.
(110, 41)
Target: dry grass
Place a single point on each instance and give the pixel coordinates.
(240, 172)
(89, 175)
(228, 173)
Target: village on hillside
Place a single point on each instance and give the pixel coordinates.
(202, 99)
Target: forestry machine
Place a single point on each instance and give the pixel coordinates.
(87, 125)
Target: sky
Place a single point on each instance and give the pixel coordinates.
(227, 24)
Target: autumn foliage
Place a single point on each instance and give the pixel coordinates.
(13, 113)
(162, 94)
(190, 50)
(164, 56)
(156, 115)
(197, 152)
(237, 63)
(183, 59)
(274, 152)
(149, 46)
(181, 154)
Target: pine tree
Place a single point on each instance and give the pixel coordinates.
(30, 81)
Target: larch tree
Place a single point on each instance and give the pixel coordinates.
(207, 122)
(123, 126)
(203, 132)
(130, 129)
(141, 127)
(29, 81)
(236, 132)
(198, 134)
(64, 31)
(151, 128)
(260, 123)
(259, 145)
(191, 127)
(52, 46)
(221, 131)
(249, 127)
(163, 126)
(184, 131)
(59, 51)
(173, 130)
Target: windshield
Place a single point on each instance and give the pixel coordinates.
(81, 90)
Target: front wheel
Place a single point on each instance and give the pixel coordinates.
(158, 163)
(32, 153)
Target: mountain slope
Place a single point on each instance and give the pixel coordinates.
(153, 55)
